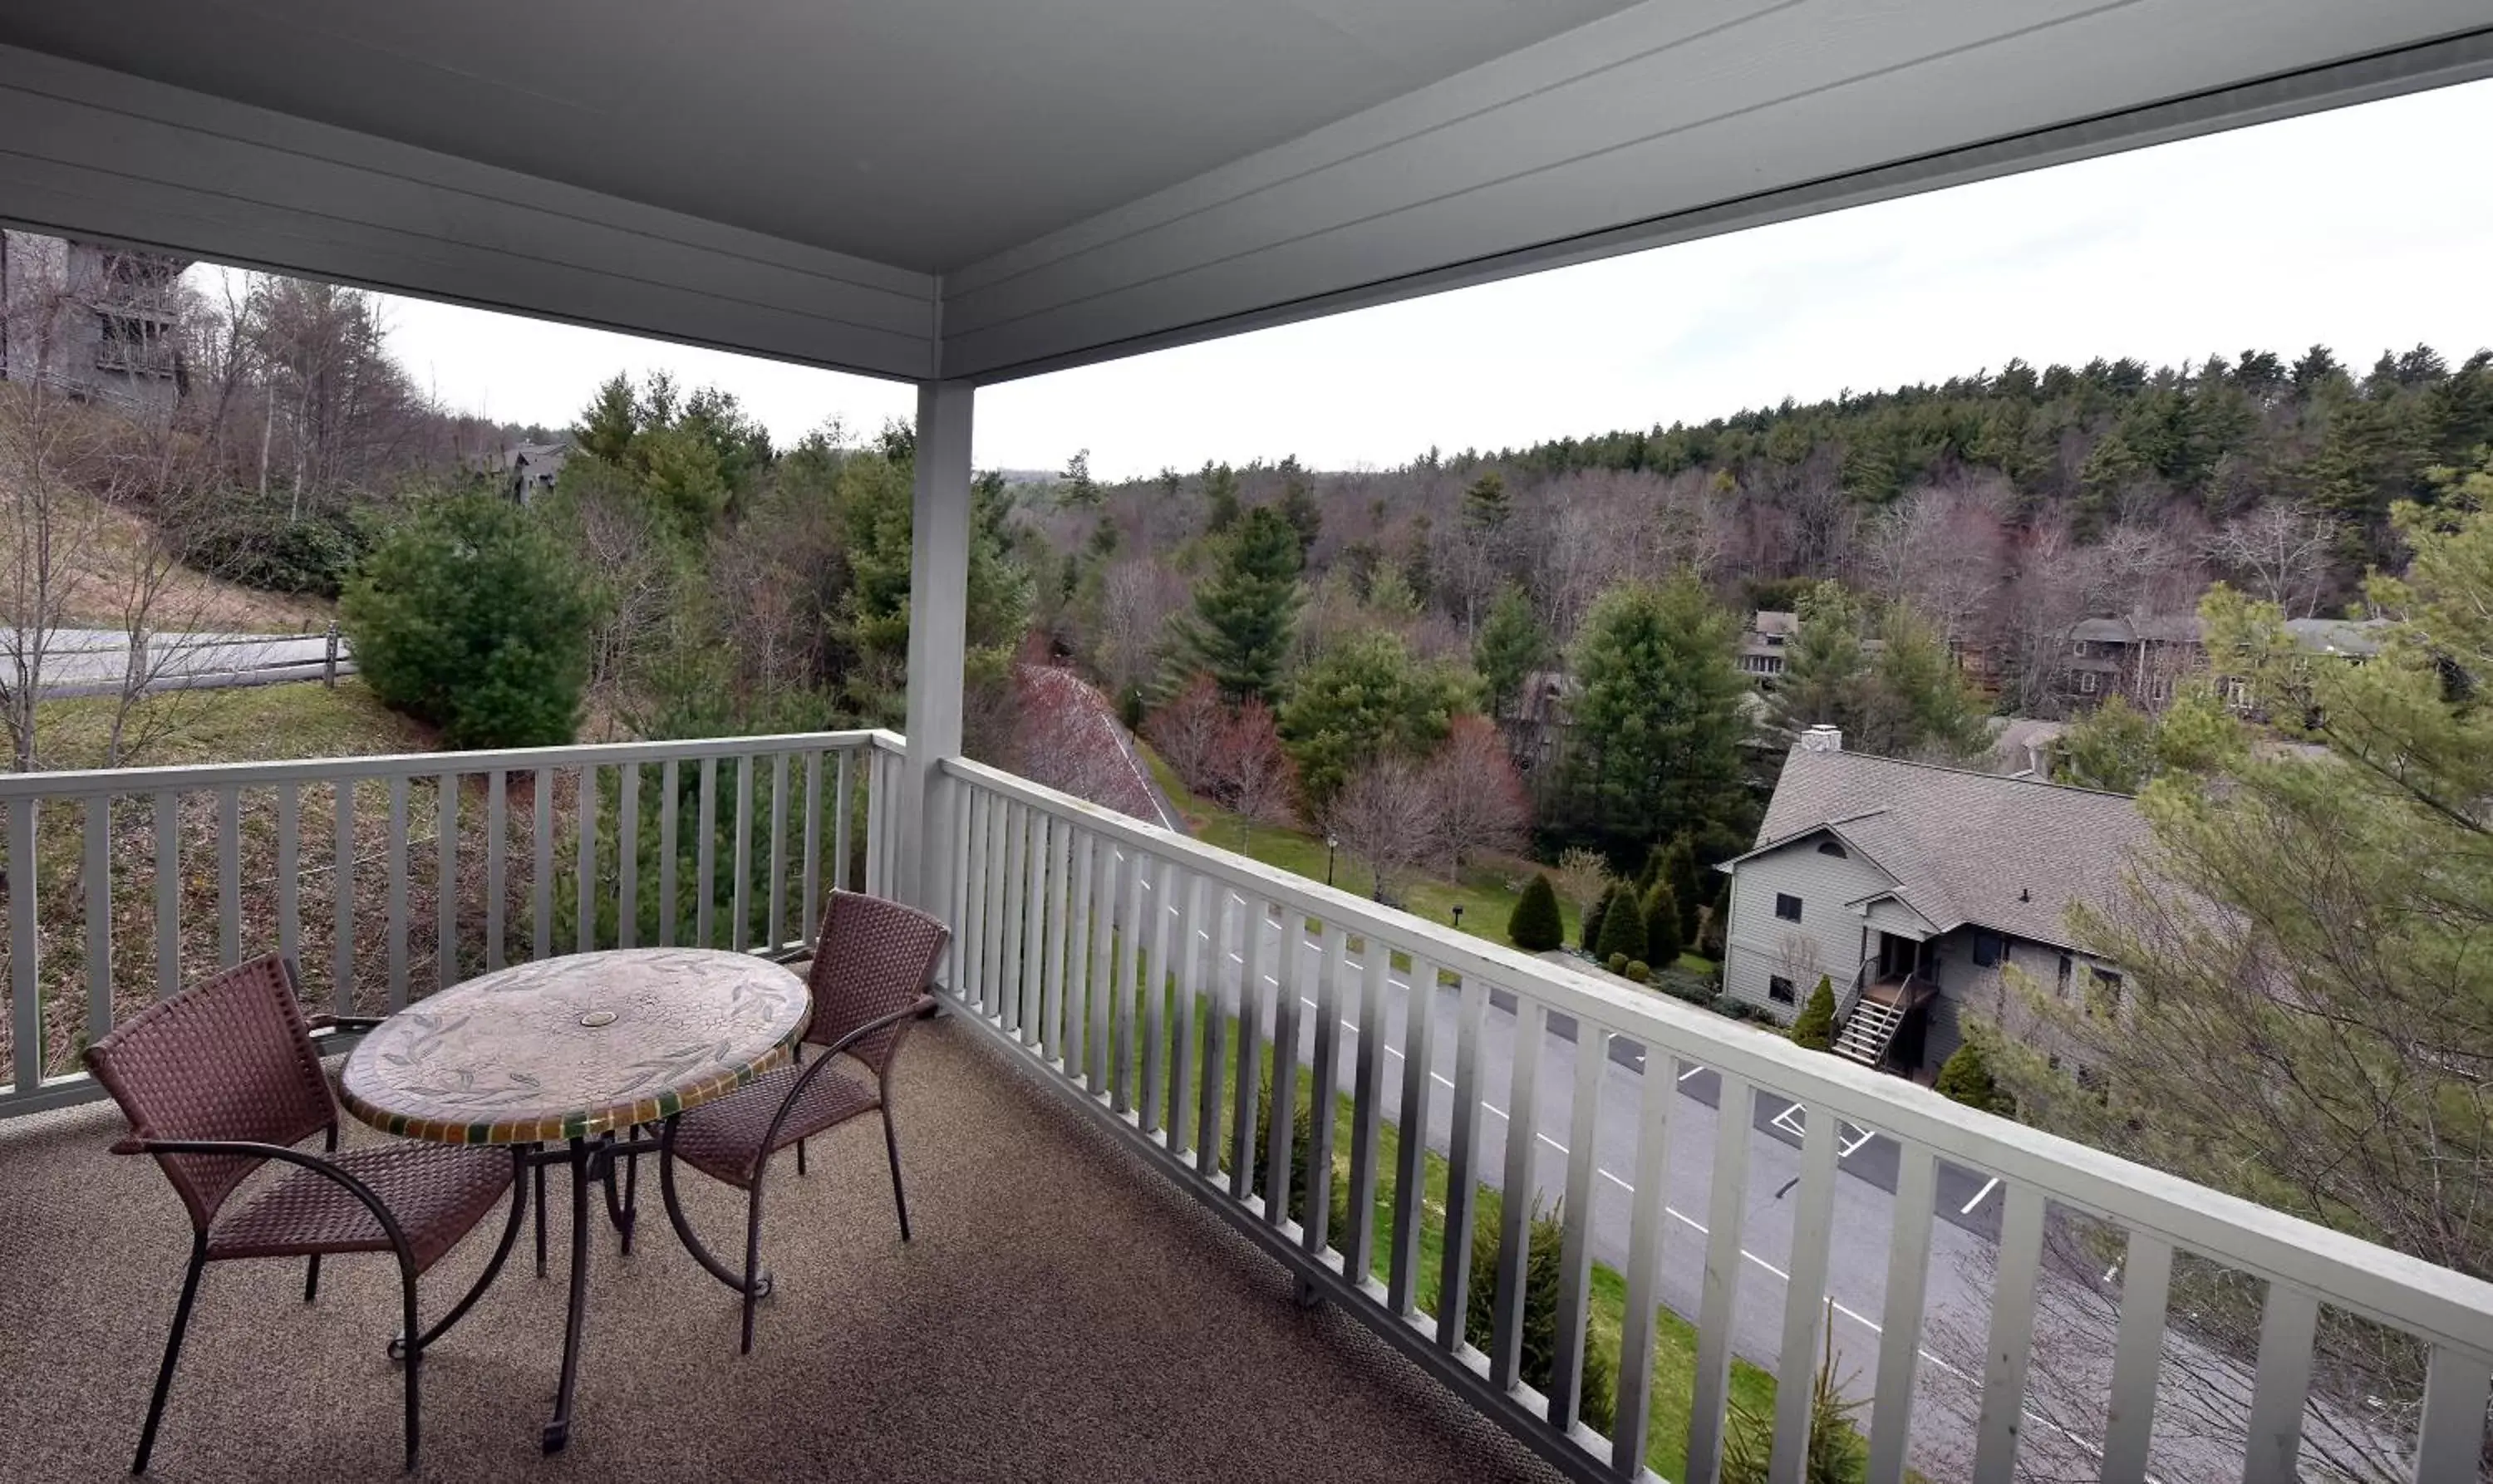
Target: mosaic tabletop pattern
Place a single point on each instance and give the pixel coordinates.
(571, 1047)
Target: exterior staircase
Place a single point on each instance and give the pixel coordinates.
(1869, 1031)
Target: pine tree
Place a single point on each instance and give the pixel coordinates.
(1679, 873)
(1659, 723)
(1534, 926)
(1299, 506)
(1219, 498)
(1965, 1078)
(1662, 934)
(1623, 929)
(1815, 1027)
(1592, 923)
(1544, 1280)
(1486, 507)
(1240, 629)
(1510, 646)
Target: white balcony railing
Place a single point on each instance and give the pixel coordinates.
(1163, 984)
(526, 854)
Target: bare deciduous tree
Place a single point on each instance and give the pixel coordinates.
(1254, 770)
(1386, 816)
(2279, 552)
(1137, 597)
(1187, 728)
(1478, 798)
(1582, 876)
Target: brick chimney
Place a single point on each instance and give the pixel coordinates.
(1822, 738)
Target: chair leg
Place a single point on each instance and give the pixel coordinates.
(414, 1359)
(398, 1347)
(312, 1278)
(800, 1159)
(173, 1353)
(891, 1150)
(540, 1199)
(755, 1285)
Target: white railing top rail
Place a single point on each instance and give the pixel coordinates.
(2435, 1303)
(105, 781)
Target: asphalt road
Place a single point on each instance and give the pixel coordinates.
(94, 662)
(1968, 1201)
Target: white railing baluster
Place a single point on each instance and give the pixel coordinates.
(1247, 1078)
(585, 861)
(2138, 1358)
(397, 918)
(1211, 936)
(875, 835)
(627, 857)
(973, 931)
(775, 933)
(2450, 1444)
(168, 894)
(497, 839)
(739, 933)
(1033, 924)
(841, 875)
(1709, 1394)
(1900, 1338)
(1632, 1421)
(1155, 989)
(668, 783)
(1411, 1129)
(1516, 1194)
(1132, 869)
(1804, 1297)
(229, 877)
(1462, 1181)
(1186, 968)
(809, 902)
(1289, 942)
(341, 905)
(705, 854)
(1103, 988)
(2012, 1337)
(2288, 1325)
(445, 882)
(1366, 1116)
(25, 954)
(541, 861)
(1326, 1081)
(1060, 870)
(991, 920)
(1576, 1246)
(1077, 958)
(289, 871)
(97, 869)
(1016, 905)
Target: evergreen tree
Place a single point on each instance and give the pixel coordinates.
(1486, 507)
(1662, 934)
(1826, 672)
(1815, 1027)
(1592, 923)
(1659, 720)
(1965, 1078)
(1679, 873)
(1623, 929)
(1509, 647)
(1219, 498)
(1920, 704)
(1076, 488)
(1535, 927)
(1363, 698)
(1299, 506)
(1240, 630)
(1544, 1282)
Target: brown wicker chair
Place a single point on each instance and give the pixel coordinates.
(222, 1078)
(869, 978)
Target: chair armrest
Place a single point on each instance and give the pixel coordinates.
(350, 1025)
(244, 1148)
(829, 1053)
(783, 956)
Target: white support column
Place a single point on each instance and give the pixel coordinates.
(939, 583)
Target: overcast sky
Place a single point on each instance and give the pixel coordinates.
(2364, 229)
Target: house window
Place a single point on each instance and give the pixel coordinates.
(1830, 848)
(2107, 985)
(2066, 966)
(1986, 950)
(1780, 990)
(2085, 682)
(1786, 906)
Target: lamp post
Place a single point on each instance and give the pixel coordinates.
(1459, 917)
(1332, 842)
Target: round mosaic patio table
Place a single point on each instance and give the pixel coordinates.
(568, 1052)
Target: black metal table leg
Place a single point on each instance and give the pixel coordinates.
(622, 1196)
(584, 1162)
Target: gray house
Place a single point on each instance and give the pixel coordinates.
(1914, 887)
(93, 320)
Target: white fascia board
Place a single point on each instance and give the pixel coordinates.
(1670, 121)
(90, 151)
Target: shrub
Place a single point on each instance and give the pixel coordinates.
(1639, 970)
(1661, 939)
(1965, 1078)
(1739, 1009)
(1815, 1027)
(1617, 964)
(1687, 888)
(472, 617)
(1302, 1135)
(1543, 1280)
(1534, 926)
(262, 544)
(1623, 930)
(1593, 919)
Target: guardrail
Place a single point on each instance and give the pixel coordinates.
(1170, 988)
(635, 843)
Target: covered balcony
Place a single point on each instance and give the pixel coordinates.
(1129, 1263)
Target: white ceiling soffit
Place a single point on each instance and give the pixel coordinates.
(373, 150)
(1671, 120)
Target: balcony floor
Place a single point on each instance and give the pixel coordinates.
(1063, 1314)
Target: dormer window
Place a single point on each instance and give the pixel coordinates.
(1830, 848)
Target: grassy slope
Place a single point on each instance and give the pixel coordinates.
(247, 724)
(97, 560)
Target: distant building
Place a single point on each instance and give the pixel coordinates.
(93, 320)
(1914, 888)
(2145, 660)
(1761, 647)
(529, 469)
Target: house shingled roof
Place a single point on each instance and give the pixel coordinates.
(2006, 853)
